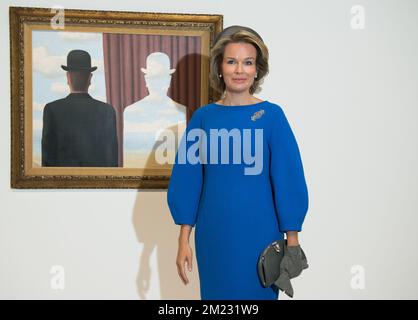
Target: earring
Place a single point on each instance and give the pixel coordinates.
(220, 76)
(255, 76)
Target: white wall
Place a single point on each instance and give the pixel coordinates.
(351, 98)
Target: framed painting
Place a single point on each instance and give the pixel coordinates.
(100, 99)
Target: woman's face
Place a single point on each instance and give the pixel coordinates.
(238, 67)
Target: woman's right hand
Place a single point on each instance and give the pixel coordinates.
(184, 256)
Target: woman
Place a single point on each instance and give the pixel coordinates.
(236, 209)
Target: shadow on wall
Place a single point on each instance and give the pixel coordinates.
(154, 227)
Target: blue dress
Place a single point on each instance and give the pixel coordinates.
(236, 208)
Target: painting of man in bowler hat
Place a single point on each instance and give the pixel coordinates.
(78, 130)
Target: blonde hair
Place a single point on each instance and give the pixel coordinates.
(217, 54)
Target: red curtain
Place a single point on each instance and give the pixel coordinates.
(125, 54)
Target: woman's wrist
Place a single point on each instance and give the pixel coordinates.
(292, 238)
(183, 240)
(184, 234)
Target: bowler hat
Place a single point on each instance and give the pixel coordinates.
(158, 64)
(78, 60)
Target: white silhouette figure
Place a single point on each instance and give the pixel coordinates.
(151, 115)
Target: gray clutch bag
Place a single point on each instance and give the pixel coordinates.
(269, 262)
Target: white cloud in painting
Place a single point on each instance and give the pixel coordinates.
(59, 87)
(46, 64)
(99, 64)
(37, 124)
(50, 65)
(92, 88)
(62, 88)
(100, 98)
(38, 106)
(80, 36)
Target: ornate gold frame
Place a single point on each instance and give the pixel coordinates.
(22, 21)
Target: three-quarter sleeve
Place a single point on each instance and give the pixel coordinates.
(183, 194)
(287, 175)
